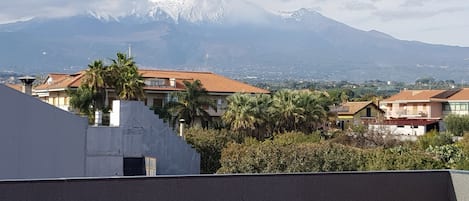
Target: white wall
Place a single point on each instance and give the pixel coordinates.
(395, 130)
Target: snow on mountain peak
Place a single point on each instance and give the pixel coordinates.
(202, 11)
(190, 10)
(299, 14)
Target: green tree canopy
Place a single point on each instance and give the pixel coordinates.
(191, 103)
(125, 79)
(94, 79)
(457, 124)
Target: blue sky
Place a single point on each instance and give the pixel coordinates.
(432, 21)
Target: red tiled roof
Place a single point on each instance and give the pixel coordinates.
(211, 81)
(461, 95)
(414, 95)
(61, 81)
(18, 87)
(353, 107)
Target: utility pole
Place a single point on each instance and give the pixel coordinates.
(130, 50)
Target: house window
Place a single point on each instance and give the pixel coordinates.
(455, 107)
(157, 103)
(414, 126)
(368, 112)
(400, 126)
(446, 107)
(463, 107)
(155, 82)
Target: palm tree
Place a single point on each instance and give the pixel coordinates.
(315, 114)
(248, 115)
(297, 111)
(191, 103)
(285, 111)
(240, 113)
(124, 76)
(94, 79)
(131, 85)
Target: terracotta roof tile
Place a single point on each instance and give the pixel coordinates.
(17, 87)
(414, 95)
(354, 107)
(61, 81)
(211, 81)
(461, 95)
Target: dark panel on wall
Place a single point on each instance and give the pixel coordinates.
(134, 166)
(385, 186)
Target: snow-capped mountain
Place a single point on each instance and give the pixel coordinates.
(225, 36)
(192, 11)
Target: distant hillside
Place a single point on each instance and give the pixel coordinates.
(302, 44)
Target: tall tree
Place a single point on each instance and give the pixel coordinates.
(94, 79)
(240, 113)
(192, 103)
(285, 111)
(247, 114)
(82, 99)
(124, 76)
(314, 113)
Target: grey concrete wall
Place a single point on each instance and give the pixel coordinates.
(104, 152)
(385, 186)
(460, 180)
(38, 140)
(138, 132)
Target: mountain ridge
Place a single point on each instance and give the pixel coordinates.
(301, 44)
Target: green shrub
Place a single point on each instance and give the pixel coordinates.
(457, 124)
(273, 156)
(401, 158)
(434, 138)
(463, 164)
(209, 143)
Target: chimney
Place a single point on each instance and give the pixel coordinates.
(27, 84)
(172, 82)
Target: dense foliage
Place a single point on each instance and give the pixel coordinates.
(121, 75)
(210, 143)
(289, 154)
(457, 124)
(285, 111)
(190, 104)
(225, 151)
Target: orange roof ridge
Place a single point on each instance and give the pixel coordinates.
(211, 81)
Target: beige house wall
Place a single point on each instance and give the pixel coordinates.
(61, 99)
(413, 110)
(436, 110)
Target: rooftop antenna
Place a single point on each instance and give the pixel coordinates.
(130, 50)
